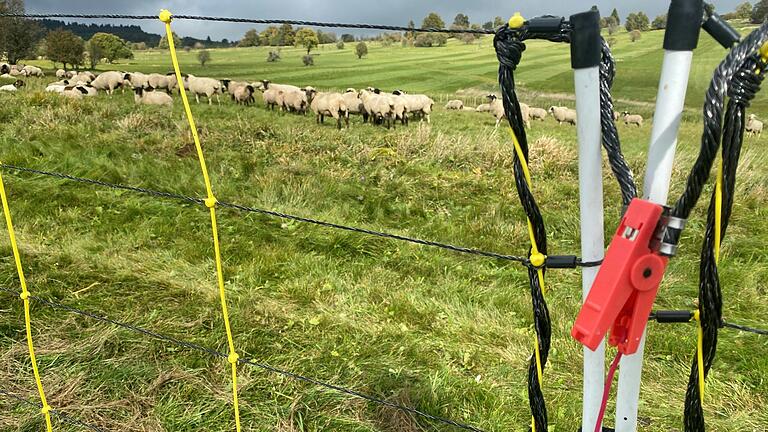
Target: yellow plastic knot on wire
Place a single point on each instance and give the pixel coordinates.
(537, 259)
(696, 315)
(165, 16)
(24, 295)
(233, 358)
(516, 21)
(45, 409)
(210, 202)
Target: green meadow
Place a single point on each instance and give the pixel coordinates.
(447, 333)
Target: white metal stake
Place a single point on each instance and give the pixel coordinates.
(670, 101)
(587, 86)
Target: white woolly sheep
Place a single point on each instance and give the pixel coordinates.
(294, 100)
(165, 82)
(418, 105)
(83, 77)
(136, 79)
(483, 107)
(634, 119)
(33, 71)
(12, 87)
(272, 98)
(354, 104)
(79, 91)
(537, 113)
(330, 104)
(61, 73)
(563, 115)
(5, 68)
(150, 97)
(108, 81)
(753, 126)
(204, 86)
(616, 116)
(496, 107)
(381, 108)
(454, 104)
(244, 95)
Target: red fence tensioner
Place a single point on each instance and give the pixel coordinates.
(625, 288)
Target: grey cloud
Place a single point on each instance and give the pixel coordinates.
(392, 12)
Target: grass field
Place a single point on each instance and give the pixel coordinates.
(446, 333)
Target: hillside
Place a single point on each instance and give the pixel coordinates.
(447, 333)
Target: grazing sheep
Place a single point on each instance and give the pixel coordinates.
(401, 108)
(204, 86)
(272, 98)
(295, 100)
(632, 119)
(83, 77)
(79, 91)
(33, 71)
(496, 108)
(108, 81)
(244, 95)
(330, 104)
(149, 96)
(537, 113)
(525, 113)
(381, 108)
(230, 86)
(754, 126)
(563, 115)
(354, 104)
(267, 84)
(165, 82)
(454, 104)
(136, 79)
(483, 108)
(418, 105)
(61, 73)
(616, 116)
(57, 87)
(12, 87)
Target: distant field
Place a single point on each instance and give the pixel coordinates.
(446, 333)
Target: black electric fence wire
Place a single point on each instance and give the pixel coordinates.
(244, 361)
(64, 418)
(744, 328)
(610, 135)
(193, 200)
(255, 21)
(741, 89)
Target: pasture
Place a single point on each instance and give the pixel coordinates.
(446, 333)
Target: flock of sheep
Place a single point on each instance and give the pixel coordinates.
(370, 103)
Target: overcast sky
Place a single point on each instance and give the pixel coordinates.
(393, 12)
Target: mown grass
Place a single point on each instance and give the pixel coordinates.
(446, 333)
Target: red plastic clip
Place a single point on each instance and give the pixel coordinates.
(625, 288)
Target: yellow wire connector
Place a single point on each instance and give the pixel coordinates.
(516, 21)
(537, 259)
(165, 16)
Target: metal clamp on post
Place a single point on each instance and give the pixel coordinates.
(668, 233)
(625, 288)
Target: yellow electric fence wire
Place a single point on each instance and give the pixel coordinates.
(210, 202)
(700, 354)
(46, 409)
(537, 259)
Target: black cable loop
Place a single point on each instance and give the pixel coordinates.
(713, 113)
(742, 87)
(509, 49)
(244, 361)
(62, 417)
(258, 21)
(610, 134)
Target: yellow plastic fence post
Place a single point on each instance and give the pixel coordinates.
(537, 258)
(210, 202)
(46, 410)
